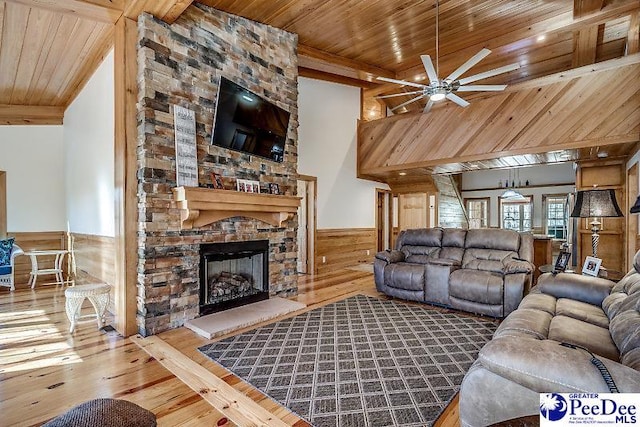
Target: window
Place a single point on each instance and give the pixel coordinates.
(516, 214)
(478, 212)
(555, 215)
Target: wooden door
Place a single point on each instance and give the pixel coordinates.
(413, 211)
(383, 219)
(3, 204)
(306, 237)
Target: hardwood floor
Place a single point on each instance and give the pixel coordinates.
(44, 370)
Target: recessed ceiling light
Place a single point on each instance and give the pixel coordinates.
(541, 38)
(402, 173)
(602, 154)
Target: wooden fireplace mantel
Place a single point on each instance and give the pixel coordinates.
(202, 206)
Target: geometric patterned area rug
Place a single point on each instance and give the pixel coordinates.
(358, 362)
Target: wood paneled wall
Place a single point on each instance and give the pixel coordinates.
(95, 257)
(590, 106)
(32, 241)
(344, 247)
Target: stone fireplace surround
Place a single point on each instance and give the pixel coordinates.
(180, 64)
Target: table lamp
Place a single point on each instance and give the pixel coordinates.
(596, 204)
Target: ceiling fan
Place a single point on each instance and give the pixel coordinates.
(438, 90)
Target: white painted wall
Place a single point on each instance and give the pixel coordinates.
(33, 158)
(89, 155)
(484, 183)
(328, 115)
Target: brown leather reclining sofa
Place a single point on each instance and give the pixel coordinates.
(485, 271)
(525, 356)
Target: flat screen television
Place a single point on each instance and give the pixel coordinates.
(248, 123)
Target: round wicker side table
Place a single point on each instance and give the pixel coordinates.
(96, 293)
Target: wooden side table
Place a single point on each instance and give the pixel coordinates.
(57, 265)
(96, 293)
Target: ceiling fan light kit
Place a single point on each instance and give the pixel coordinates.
(438, 89)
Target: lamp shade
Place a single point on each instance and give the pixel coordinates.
(636, 206)
(596, 203)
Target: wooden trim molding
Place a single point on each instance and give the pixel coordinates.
(202, 206)
(107, 11)
(30, 115)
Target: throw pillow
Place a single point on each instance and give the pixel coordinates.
(6, 246)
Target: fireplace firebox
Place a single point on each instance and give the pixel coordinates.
(233, 274)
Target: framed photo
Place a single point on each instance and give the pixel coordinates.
(562, 261)
(216, 180)
(591, 266)
(274, 188)
(248, 186)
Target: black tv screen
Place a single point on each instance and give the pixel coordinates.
(246, 122)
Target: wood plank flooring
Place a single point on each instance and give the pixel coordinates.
(44, 370)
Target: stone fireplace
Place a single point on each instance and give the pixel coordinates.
(181, 64)
(233, 274)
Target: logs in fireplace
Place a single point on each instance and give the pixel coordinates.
(233, 274)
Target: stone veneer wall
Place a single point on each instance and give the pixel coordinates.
(181, 64)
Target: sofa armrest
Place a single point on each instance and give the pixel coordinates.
(545, 366)
(390, 256)
(514, 266)
(591, 290)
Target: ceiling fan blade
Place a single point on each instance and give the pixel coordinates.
(400, 82)
(480, 88)
(428, 66)
(455, 98)
(490, 73)
(398, 94)
(470, 63)
(406, 103)
(428, 106)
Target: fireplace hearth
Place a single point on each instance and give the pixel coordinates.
(233, 274)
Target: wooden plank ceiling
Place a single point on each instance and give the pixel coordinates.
(49, 49)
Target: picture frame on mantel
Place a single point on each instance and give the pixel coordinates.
(216, 180)
(247, 186)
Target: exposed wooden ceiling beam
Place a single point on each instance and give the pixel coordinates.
(315, 59)
(108, 11)
(585, 7)
(167, 10)
(30, 115)
(633, 36)
(585, 40)
(335, 78)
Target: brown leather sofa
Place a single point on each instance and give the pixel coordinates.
(485, 271)
(525, 357)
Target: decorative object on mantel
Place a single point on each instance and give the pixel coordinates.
(216, 180)
(437, 89)
(274, 188)
(184, 121)
(596, 204)
(202, 206)
(248, 186)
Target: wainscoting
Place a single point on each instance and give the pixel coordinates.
(95, 257)
(36, 240)
(344, 247)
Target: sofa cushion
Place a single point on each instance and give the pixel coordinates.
(449, 252)
(6, 247)
(403, 275)
(625, 331)
(491, 238)
(454, 237)
(5, 269)
(582, 311)
(420, 254)
(538, 301)
(421, 237)
(526, 322)
(479, 286)
(487, 259)
(574, 331)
